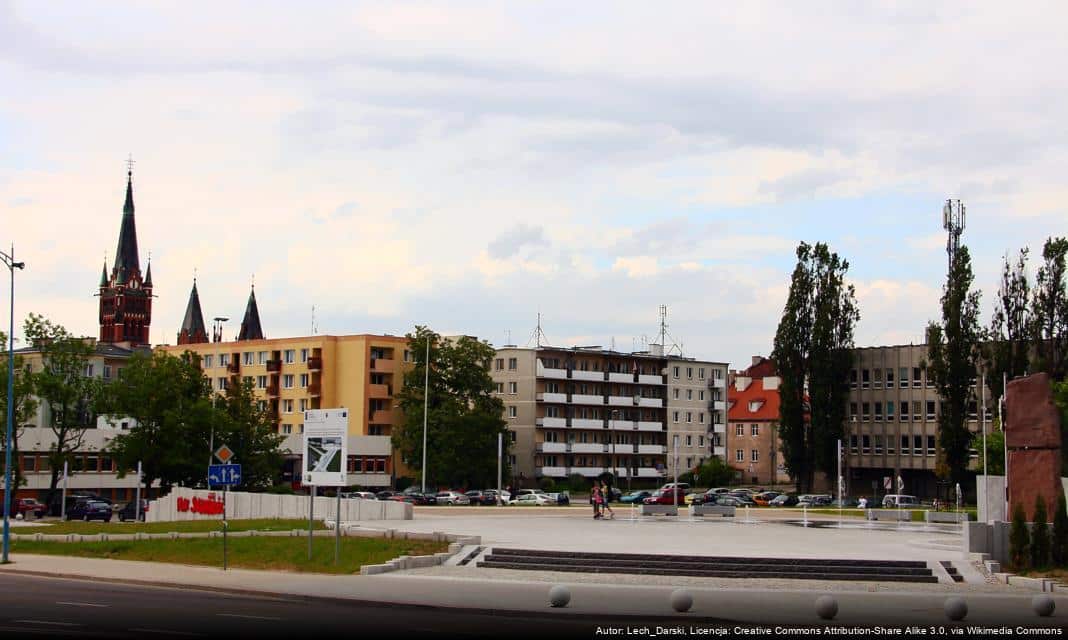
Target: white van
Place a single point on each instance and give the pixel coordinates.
(897, 500)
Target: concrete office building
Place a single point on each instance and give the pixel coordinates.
(588, 410)
(892, 424)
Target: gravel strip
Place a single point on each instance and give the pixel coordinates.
(709, 583)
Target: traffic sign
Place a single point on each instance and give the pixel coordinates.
(887, 482)
(224, 474)
(224, 454)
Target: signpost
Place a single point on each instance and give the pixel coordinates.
(63, 502)
(225, 474)
(326, 458)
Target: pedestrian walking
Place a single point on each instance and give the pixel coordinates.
(606, 496)
(595, 500)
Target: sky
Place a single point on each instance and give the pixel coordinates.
(469, 165)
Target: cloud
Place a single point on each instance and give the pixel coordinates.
(512, 241)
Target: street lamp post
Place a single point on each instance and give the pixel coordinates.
(426, 398)
(9, 262)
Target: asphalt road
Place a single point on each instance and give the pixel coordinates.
(42, 607)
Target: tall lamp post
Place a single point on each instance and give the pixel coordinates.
(9, 262)
(426, 398)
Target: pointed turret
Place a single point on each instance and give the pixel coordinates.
(193, 330)
(250, 325)
(148, 273)
(127, 264)
(104, 275)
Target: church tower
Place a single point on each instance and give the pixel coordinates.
(126, 296)
(250, 324)
(193, 330)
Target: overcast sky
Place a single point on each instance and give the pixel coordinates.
(469, 165)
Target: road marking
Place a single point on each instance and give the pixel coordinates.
(61, 624)
(245, 615)
(83, 604)
(166, 631)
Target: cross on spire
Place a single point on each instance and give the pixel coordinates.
(129, 165)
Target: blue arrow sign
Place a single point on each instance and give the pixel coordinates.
(224, 474)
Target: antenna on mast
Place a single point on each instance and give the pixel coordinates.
(315, 328)
(664, 336)
(953, 215)
(538, 337)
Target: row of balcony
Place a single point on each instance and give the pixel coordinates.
(586, 423)
(593, 472)
(314, 363)
(593, 447)
(599, 376)
(612, 401)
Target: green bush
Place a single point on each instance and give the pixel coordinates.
(547, 485)
(688, 478)
(1040, 535)
(283, 488)
(578, 482)
(713, 473)
(1019, 539)
(1059, 546)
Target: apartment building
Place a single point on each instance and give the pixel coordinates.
(892, 425)
(753, 444)
(587, 411)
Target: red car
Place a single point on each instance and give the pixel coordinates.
(27, 506)
(667, 496)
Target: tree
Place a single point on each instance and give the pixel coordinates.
(1019, 539)
(812, 349)
(1010, 328)
(250, 432)
(953, 354)
(713, 473)
(464, 418)
(1040, 542)
(1049, 311)
(168, 399)
(1059, 545)
(995, 450)
(23, 409)
(62, 385)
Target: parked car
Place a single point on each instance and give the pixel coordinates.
(635, 497)
(479, 497)
(524, 492)
(685, 486)
(724, 500)
(54, 505)
(385, 495)
(489, 496)
(90, 510)
(129, 511)
(783, 500)
(718, 490)
(28, 507)
(667, 496)
(764, 499)
(847, 503)
(614, 494)
(359, 495)
(819, 500)
(410, 498)
(562, 499)
(534, 500)
(452, 498)
(897, 500)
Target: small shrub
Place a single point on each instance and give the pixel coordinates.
(284, 488)
(547, 485)
(578, 482)
(1040, 535)
(1019, 539)
(1059, 546)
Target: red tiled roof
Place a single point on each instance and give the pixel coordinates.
(739, 403)
(762, 369)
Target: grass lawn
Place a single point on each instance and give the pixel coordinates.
(77, 526)
(273, 554)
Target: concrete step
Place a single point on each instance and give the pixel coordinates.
(755, 567)
(739, 560)
(951, 570)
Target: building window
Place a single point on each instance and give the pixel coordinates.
(889, 378)
(852, 411)
(303, 355)
(878, 378)
(287, 381)
(247, 357)
(675, 373)
(754, 430)
(889, 410)
(754, 455)
(739, 430)
(224, 359)
(689, 441)
(701, 394)
(904, 415)
(499, 364)
(930, 445)
(700, 418)
(689, 373)
(209, 362)
(511, 436)
(930, 409)
(287, 429)
(853, 378)
(513, 388)
(890, 448)
(916, 381)
(261, 405)
(675, 416)
(917, 445)
(222, 384)
(865, 411)
(865, 378)
(878, 444)
(513, 364)
(878, 411)
(303, 405)
(865, 444)
(107, 372)
(89, 370)
(676, 394)
(261, 357)
(700, 373)
(261, 382)
(500, 387)
(853, 443)
(689, 394)
(700, 441)
(689, 416)
(904, 445)
(304, 380)
(512, 411)
(739, 455)
(287, 406)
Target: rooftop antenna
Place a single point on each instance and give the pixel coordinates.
(538, 337)
(508, 336)
(315, 328)
(129, 165)
(664, 335)
(953, 215)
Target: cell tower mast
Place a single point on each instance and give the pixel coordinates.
(953, 215)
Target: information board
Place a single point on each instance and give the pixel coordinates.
(326, 450)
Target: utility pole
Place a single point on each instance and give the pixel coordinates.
(426, 399)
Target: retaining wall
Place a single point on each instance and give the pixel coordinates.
(244, 506)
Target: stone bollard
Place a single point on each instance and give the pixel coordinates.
(826, 607)
(1043, 605)
(559, 596)
(681, 600)
(956, 608)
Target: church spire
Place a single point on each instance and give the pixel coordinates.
(104, 274)
(127, 265)
(250, 325)
(148, 273)
(193, 330)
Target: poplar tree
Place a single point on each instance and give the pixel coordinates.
(1010, 327)
(1049, 311)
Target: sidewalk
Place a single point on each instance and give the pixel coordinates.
(746, 606)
